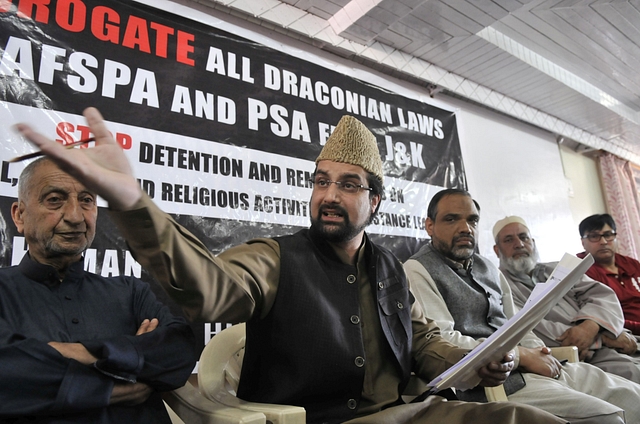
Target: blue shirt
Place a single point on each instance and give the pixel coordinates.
(103, 313)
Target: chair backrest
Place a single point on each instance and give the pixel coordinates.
(219, 375)
(221, 362)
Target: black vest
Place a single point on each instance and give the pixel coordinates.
(308, 351)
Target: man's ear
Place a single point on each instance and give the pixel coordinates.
(496, 250)
(17, 209)
(375, 201)
(428, 225)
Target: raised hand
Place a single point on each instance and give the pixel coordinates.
(103, 169)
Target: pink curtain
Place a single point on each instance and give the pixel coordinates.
(621, 196)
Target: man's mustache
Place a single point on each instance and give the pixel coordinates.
(465, 237)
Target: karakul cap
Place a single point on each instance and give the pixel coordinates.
(351, 142)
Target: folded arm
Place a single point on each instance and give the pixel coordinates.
(39, 376)
(161, 353)
(36, 379)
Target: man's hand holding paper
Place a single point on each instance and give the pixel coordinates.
(495, 373)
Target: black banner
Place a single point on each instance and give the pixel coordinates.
(221, 131)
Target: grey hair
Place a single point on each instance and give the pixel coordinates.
(27, 173)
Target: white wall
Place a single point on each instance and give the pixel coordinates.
(582, 171)
(516, 169)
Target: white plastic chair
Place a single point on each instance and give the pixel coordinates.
(219, 375)
(188, 406)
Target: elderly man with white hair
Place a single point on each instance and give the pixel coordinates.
(589, 316)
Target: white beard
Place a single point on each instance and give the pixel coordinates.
(523, 264)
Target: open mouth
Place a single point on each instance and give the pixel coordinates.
(330, 215)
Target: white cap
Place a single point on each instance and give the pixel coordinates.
(506, 221)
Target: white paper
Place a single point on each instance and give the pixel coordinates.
(561, 270)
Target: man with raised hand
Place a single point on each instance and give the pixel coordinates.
(76, 347)
(587, 316)
(469, 299)
(331, 324)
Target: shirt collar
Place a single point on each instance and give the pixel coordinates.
(46, 274)
(361, 250)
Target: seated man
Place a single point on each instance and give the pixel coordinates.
(621, 273)
(331, 324)
(470, 299)
(587, 313)
(76, 347)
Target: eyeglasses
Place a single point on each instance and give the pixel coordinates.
(595, 237)
(343, 186)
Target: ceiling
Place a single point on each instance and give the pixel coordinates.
(571, 67)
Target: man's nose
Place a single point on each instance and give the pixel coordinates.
(466, 228)
(332, 193)
(73, 212)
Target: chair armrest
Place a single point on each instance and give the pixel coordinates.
(192, 407)
(417, 386)
(276, 414)
(569, 353)
(496, 394)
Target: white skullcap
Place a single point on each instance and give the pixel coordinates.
(506, 221)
